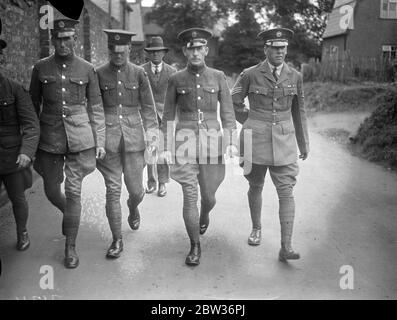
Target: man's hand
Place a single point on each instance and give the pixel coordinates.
(23, 161)
(231, 151)
(100, 153)
(167, 156)
(303, 155)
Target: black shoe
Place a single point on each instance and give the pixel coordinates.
(193, 258)
(115, 249)
(150, 188)
(23, 241)
(162, 190)
(287, 254)
(134, 218)
(71, 257)
(255, 237)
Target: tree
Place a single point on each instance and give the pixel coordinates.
(240, 47)
(176, 15)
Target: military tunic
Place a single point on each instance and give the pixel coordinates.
(276, 115)
(131, 124)
(193, 96)
(19, 134)
(66, 95)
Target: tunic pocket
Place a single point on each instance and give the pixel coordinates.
(48, 84)
(78, 89)
(132, 91)
(211, 95)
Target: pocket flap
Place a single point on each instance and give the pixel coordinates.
(10, 141)
(258, 90)
(79, 119)
(79, 81)
(183, 90)
(107, 86)
(47, 79)
(131, 85)
(290, 90)
(7, 101)
(211, 89)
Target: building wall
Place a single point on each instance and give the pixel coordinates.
(370, 31)
(330, 43)
(21, 31)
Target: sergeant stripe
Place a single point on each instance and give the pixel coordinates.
(236, 90)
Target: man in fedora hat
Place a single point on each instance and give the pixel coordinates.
(19, 136)
(130, 120)
(194, 96)
(159, 72)
(277, 120)
(66, 95)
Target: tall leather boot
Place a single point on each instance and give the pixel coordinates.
(193, 258)
(134, 218)
(113, 213)
(287, 214)
(255, 204)
(71, 257)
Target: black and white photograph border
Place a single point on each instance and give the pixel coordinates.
(345, 195)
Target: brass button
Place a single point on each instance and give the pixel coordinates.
(119, 93)
(45, 81)
(64, 65)
(81, 82)
(197, 75)
(64, 115)
(198, 98)
(212, 90)
(276, 87)
(118, 70)
(63, 77)
(133, 87)
(120, 105)
(275, 99)
(274, 123)
(63, 89)
(198, 86)
(63, 102)
(120, 116)
(183, 91)
(119, 82)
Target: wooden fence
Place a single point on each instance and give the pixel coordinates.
(350, 68)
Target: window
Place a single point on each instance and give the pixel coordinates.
(388, 9)
(389, 52)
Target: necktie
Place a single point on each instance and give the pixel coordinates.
(156, 69)
(275, 73)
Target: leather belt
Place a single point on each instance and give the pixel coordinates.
(199, 116)
(269, 116)
(121, 110)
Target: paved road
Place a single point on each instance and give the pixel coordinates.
(346, 215)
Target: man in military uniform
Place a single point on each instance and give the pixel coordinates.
(159, 73)
(19, 136)
(130, 115)
(277, 120)
(65, 92)
(193, 95)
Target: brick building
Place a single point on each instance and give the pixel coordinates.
(361, 28)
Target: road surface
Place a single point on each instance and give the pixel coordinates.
(346, 216)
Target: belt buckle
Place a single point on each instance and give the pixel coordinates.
(200, 116)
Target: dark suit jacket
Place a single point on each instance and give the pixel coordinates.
(159, 87)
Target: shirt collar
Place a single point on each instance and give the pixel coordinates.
(195, 70)
(278, 69)
(159, 66)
